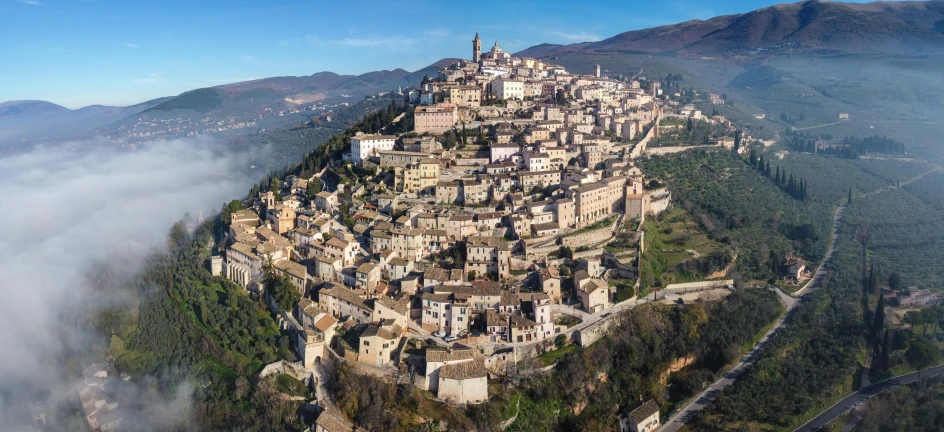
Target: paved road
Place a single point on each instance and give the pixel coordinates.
(699, 402)
(863, 395)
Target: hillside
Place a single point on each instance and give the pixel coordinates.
(881, 27)
(258, 106)
(29, 108)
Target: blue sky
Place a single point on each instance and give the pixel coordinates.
(82, 52)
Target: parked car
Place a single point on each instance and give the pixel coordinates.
(439, 333)
(451, 338)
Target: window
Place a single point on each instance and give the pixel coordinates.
(366, 343)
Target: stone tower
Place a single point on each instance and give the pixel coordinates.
(597, 68)
(476, 48)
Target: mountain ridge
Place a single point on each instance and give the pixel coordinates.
(910, 27)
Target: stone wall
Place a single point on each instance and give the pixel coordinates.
(589, 253)
(472, 161)
(617, 266)
(542, 251)
(698, 286)
(594, 237)
(594, 332)
(678, 149)
(641, 146)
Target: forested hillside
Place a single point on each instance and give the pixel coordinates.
(189, 328)
(589, 386)
(740, 206)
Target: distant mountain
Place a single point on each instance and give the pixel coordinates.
(910, 27)
(262, 104)
(29, 108)
(24, 123)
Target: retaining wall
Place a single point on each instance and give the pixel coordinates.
(698, 286)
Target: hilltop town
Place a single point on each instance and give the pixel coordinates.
(478, 236)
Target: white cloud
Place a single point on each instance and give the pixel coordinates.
(77, 206)
(440, 32)
(229, 80)
(576, 37)
(392, 43)
(130, 45)
(29, 2)
(153, 77)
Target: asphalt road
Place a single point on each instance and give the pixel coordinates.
(699, 402)
(706, 396)
(863, 395)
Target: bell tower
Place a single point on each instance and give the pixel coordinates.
(476, 48)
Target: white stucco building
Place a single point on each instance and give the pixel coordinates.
(364, 146)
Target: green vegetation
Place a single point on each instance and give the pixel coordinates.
(793, 187)
(679, 250)
(918, 406)
(200, 100)
(910, 239)
(691, 133)
(739, 207)
(551, 357)
(602, 223)
(589, 385)
(191, 326)
(848, 148)
(290, 385)
(807, 366)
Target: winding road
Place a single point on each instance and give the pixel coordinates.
(863, 395)
(701, 400)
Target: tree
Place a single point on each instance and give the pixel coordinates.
(280, 287)
(230, 208)
(878, 322)
(565, 252)
(894, 281)
(275, 185)
(885, 352)
(314, 186)
(560, 341)
(923, 354)
(849, 200)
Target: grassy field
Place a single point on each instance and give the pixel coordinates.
(551, 357)
(672, 239)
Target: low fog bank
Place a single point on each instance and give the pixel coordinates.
(70, 210)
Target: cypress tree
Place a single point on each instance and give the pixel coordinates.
(777, 178)
(878, 323)
(886, 349)
(849, 200)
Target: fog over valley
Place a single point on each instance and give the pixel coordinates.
(71, 213)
